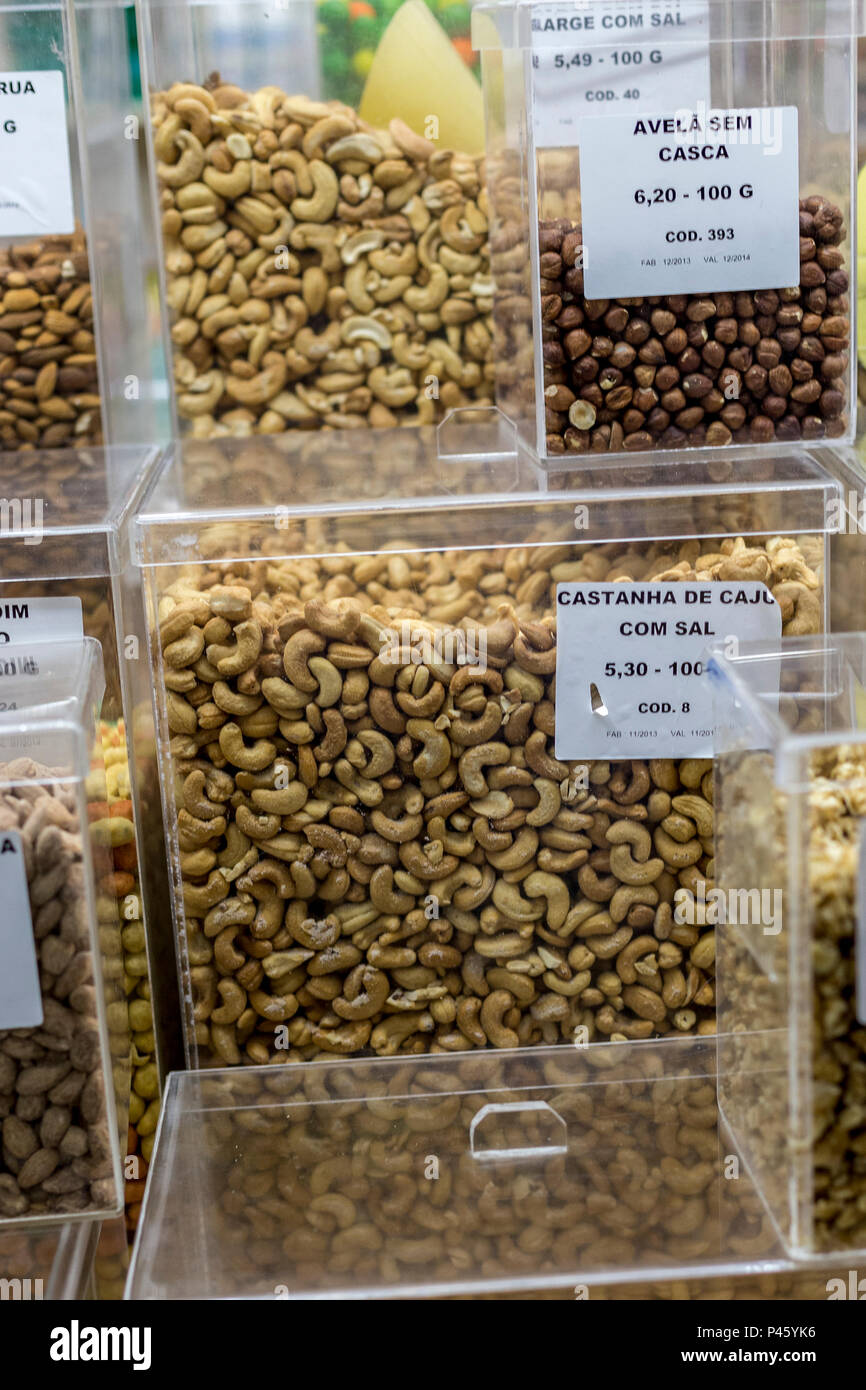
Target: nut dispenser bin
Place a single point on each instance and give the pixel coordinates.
(75, 343)
(463, 1175)
(392, 815)
(323, 267)
(64, 571)
(684, 175)
(790, 801)
(64, 1043)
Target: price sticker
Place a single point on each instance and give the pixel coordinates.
(35, 171)
(630, 664)
(20, 995)
(690, 202)
(607, 56)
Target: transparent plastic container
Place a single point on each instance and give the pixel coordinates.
(790, 802)
(628, 150)
(75, 238)
(345, 876)
(51, 1263)
(64, 570)
(451, 1176)
(325, 263)
(65, 1040)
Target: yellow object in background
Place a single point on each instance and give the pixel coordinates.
(363, 61)
(418, 76)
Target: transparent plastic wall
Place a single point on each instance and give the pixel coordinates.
(64, 1044)
(75, 352)
(791, 795)
(602, 1169)
(52, 1262)
(64, 564)
(325, 262)
(393, 817)
(682, 175)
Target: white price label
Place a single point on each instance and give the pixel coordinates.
(35, 173)
(20, 995)
(40, 620)
(630, 664)
(603, 56)
(695, 202)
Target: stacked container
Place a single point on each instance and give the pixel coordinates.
(64, 1043)
(75, 354)
(323, 267)
(792, 979)
(434, 734)
(683, 174)
(64, 573)
(400, 812)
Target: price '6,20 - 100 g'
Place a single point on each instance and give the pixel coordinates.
(707, 193)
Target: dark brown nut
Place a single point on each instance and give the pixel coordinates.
(39, 1166)
(577, 343)
(693, 344)
(697, 386)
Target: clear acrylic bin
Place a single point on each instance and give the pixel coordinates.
(381, 835)
(655, 161)
(325, 264)
(436, 1176)
(64, 1045)
(75, 335)
(790, 802)
(51, 1263)
(64, 571)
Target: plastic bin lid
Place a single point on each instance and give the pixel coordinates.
(432, 1175)
(823, 675)
(369, 490)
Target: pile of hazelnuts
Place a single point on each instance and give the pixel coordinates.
(691, 371)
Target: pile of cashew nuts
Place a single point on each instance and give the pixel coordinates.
(837, 806)
(756, 1087)
(319, 273)
(385, 855)
(318, 1179)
